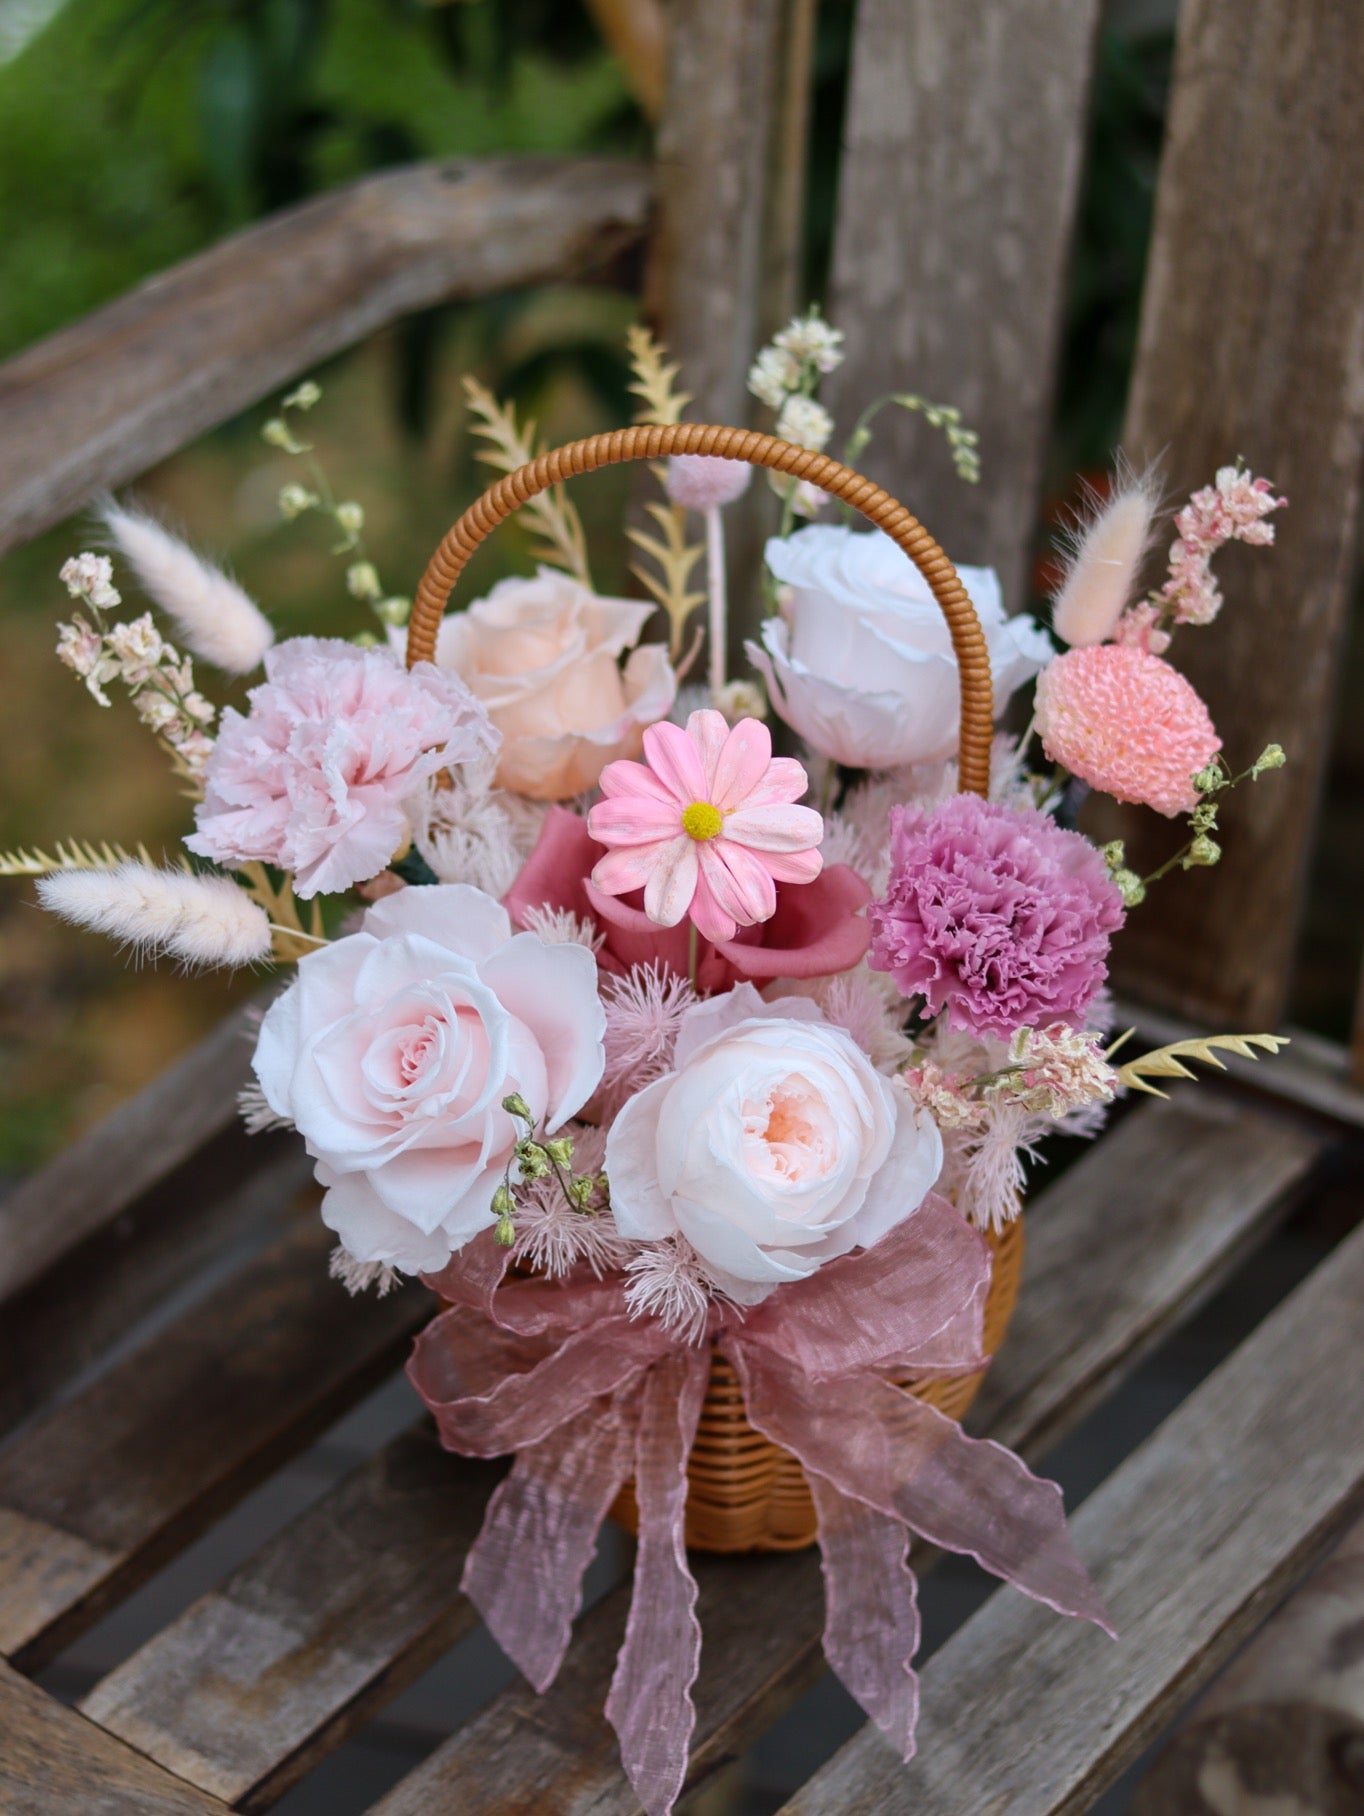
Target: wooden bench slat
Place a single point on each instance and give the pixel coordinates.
(957, 200)
(53, 1760)
(1159, 1211)
(1189, 1542)
(1252, 323)
(287, 1656)
(101, 401)
(99, 1492)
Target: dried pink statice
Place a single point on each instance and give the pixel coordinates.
(1128, 724)
(313, 780)
(1232, 509)
(994, 915)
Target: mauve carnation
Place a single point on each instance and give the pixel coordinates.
(313, 779)
(994, 914)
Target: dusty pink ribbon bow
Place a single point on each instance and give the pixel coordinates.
(586, 1396)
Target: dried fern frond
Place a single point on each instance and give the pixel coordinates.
(552, 514)
(655, 378)
(655, 384)
(676, 557)
(1168, 1062)
(70, 854)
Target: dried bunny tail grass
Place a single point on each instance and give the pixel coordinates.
(1104, 561)
(201, 920)
(214, 618)
(359, 1276)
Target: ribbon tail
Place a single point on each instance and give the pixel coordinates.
(871, 1627)
(895, 1453)
(524, 1571)
(650, 1704)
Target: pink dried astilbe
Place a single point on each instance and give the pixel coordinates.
(1232, 509)
(644, 1011)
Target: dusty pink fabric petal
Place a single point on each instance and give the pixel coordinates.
(817, 931)
(672, 881)
(775, 827)
(710, 919)
(626, 819)
(524, 1571)
(674, 760)
(871, 1623)
(901, 1456)
(621, 872)
(650, 1704)
(741, 885)
(741, 764)
(924, 1280)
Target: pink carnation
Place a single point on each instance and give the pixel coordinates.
(994, 914)
(313, 779)
(1127, 723)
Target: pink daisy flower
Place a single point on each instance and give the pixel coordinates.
(707, 825)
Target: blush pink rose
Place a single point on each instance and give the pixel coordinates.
(313, 779)
(393, 1051)
(773, 1146)
(818, 928)
(544, 657)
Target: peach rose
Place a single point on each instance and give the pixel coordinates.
(543, 656)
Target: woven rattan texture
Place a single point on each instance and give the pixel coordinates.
(744, 1493)
(653, 441)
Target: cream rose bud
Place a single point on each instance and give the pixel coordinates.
(860, 661)
(773, 1146)
(392, 1053)
(544, 657)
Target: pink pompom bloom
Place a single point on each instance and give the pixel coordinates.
(707, 825)
(994, 914)
(1127, 723)
(313, 779)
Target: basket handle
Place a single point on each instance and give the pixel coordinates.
(654, 441)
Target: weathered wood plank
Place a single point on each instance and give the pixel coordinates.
(1160, 1210)
(91, 1182)
(101, 401)
(1252, 343)
(965, 131)
(98, 1493)
(52, 1760)
(288, 1655)
(1284, 1727)
(1188, 1542)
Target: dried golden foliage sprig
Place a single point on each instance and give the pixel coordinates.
(70, 854)
(1168, 1062)
(674, 556)
(551, 514)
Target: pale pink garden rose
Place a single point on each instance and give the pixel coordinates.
(860, 661)
(393, 1051)
(544, 657)
(314, 777)
(773, 1146)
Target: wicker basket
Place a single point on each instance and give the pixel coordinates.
(744, 1492)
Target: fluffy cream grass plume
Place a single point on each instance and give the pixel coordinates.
(214, 618)
(201, 920)
(1104, 564)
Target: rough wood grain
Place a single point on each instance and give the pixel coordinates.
(965, 130)
(1252, 343)
(54, 1763)
(288, 1655)
(713, 145)
(101, 401)
(1283, 1728)
(1189, 1186)
(1188, 1542)
(96, 1494)
(144, 1141)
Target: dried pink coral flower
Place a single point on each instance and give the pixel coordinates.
(1127, 723)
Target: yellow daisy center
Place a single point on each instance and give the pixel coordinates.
(702, 820)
